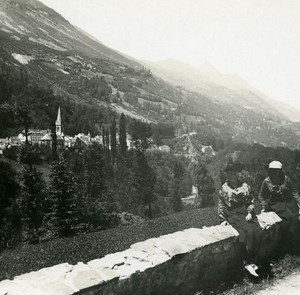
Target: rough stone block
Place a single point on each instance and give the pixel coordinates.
(5, 286)
(83, 279)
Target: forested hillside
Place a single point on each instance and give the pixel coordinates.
(55, 54)
(52, 191)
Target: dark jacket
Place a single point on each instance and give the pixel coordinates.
(284, 193)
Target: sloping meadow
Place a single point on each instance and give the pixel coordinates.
(96, 245)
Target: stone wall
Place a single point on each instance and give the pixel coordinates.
(179, 263)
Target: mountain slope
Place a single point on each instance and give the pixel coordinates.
(78, 67)
(291, 113)
(208, 81)
(44, 24)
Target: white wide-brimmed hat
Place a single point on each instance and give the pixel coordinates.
(275, 165)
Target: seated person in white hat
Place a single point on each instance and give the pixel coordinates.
(277, 194)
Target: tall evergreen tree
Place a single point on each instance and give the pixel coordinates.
(30, 154)
(94, 173)
(122, 135)
(32, 197)
(205, 185)
(144, 182)
(124, 190)
(118, 96)
(141, 133)
(178, 177)
(98, 201)
(6, 118)
(186, 184)
(9, 219)
(113, 140)
(61, 200)
(107, 138)
(24, 119)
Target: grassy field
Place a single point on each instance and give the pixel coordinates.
(96, 245)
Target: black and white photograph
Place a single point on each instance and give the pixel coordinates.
(149, 147)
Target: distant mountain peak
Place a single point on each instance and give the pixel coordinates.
(170, 62)
(209, 81)
(208, 68)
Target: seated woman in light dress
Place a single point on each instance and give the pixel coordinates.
(235, 207)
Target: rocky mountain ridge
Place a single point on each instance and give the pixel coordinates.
(228, 88)
(58, 55)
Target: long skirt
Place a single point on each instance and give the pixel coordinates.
(288, 212)
(250, 232)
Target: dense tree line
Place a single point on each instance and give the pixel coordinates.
(19, 98)
(86, 187)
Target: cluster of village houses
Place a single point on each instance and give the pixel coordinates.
(37, 136)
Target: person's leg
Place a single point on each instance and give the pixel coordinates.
(288, 227)
(292, 235)
(247, 238)
(257, 234)
(252, 233)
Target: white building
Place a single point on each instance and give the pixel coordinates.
(165, 148)
(34, 135)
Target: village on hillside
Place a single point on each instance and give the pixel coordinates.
(44, 137)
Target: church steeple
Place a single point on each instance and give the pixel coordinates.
(58, 123)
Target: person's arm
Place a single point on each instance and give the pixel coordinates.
(250, 205)
(222, 208)
(263, 195)
(294, 191)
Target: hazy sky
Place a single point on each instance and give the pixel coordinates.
(256, 39)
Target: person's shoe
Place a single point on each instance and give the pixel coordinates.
(252, 268)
